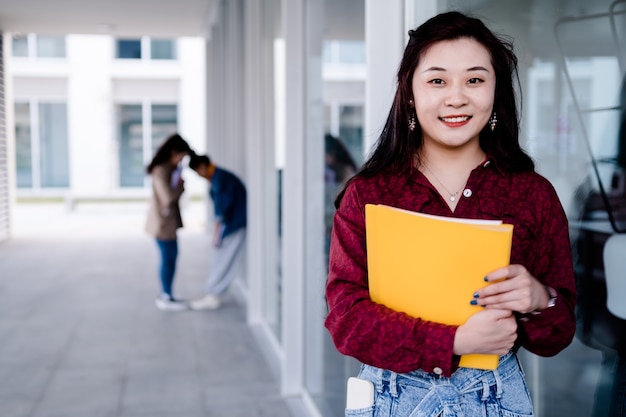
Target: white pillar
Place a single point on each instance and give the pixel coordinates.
(254, 145)
(384, 44)
(215, 87)
(7, 139)
(303, 181)
(315, 260)
(294, 195)
(89, 85)
(233, 81)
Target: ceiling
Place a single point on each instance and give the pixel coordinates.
(166, 18)
(345, 19)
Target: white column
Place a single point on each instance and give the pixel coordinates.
(254, 145)
(233, 80)
(303, 185)
(215, 88)
(315, 270)
(7, 193)
(192, 102)
(93, 151)
(294, 196)
(214, 104)
(384, 44)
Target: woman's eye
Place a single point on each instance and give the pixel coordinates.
(475, 81)
(437, 81)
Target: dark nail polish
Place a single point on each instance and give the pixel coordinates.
(476, 295)
(486, 279)
(474, 302)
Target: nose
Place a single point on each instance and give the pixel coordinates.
(456, 96)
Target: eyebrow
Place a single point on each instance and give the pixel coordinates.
(476, 68)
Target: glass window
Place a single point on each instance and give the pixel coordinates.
(135, 148)
(53, 145)
(328, 370)
(327, 52)
(129, 48)
(351, 52)
(39, 46)
(351, 130)
(23, 147)
(41, 145)
(50, 46)
(272, 70)
(164, 122)
(131, 145)
(20, 45)
(162, 49)
(574, 91)
(343, 52)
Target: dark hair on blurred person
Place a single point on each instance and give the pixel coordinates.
(397, 146)
(196, 160)
(335, 148)
(173, 144)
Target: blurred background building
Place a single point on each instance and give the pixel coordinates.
(90, 89)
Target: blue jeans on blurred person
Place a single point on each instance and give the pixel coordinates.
(169, 254)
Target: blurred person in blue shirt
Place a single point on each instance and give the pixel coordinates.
(229, 232)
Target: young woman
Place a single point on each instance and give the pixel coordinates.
(164, 213)
(450, 147)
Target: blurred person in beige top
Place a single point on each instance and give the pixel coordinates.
(164, 213)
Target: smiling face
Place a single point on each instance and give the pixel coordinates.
(453, 90)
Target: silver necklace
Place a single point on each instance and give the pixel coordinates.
(452, 195)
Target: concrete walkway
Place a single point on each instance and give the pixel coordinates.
(80, 335)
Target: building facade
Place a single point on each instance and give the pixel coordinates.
(90, 110)
(274, 87)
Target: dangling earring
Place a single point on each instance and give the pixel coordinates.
(493, 120)
(412, 122)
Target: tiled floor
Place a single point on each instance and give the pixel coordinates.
(80, 335)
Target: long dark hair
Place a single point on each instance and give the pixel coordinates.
(335, 148)
(397, 146)
(173, 143)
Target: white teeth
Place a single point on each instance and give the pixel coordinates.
(455, 119)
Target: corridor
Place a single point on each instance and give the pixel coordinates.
(80, 335)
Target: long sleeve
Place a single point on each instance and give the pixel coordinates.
(387, 339)
(166, 195)
(164, 213)
(371, 332)
(549, 332)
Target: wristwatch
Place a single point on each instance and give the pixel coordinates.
(552, 300)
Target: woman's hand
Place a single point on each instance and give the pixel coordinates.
(489, 331)
(513, 288)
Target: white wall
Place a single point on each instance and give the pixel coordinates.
(91, 122)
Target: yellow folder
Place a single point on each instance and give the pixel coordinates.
(430, 266)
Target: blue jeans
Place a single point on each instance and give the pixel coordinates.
(467, 393)
(169, 253)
